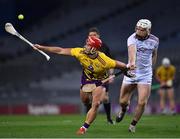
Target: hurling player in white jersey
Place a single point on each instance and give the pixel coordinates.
(142, 54)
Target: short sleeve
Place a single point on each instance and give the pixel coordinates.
(75, 52)
(131, 40)
(158, 71)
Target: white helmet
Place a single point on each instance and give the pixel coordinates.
(166, 62)
(144, 23)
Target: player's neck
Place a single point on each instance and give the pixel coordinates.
(142, 38)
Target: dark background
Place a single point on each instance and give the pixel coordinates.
(28, 79)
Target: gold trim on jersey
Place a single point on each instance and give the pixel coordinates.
(101, 60)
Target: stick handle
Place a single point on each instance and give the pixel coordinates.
(111, 77)
(107, 79)
(25, 40)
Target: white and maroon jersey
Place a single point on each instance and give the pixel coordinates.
(145, 50)
(144, 53)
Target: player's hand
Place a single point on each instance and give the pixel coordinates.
(129, 73)
(131, 66)
(36, 46)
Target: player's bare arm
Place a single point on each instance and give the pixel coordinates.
(120, 65)
(157, 77)
(159, 80)
(154, 57)
(55, 49)
(132, 55)
(126, 69)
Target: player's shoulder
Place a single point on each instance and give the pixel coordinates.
(100, 53)
(132, 36)
(153, 37)
(76, 51)
(103, 55)
(172, 67)
(131, 39)
(160, 68)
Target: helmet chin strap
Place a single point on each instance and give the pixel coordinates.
(93, 51)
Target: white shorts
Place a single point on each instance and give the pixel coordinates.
(141, 78)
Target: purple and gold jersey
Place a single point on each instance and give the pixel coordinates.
(166, 74)
(94, 69)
